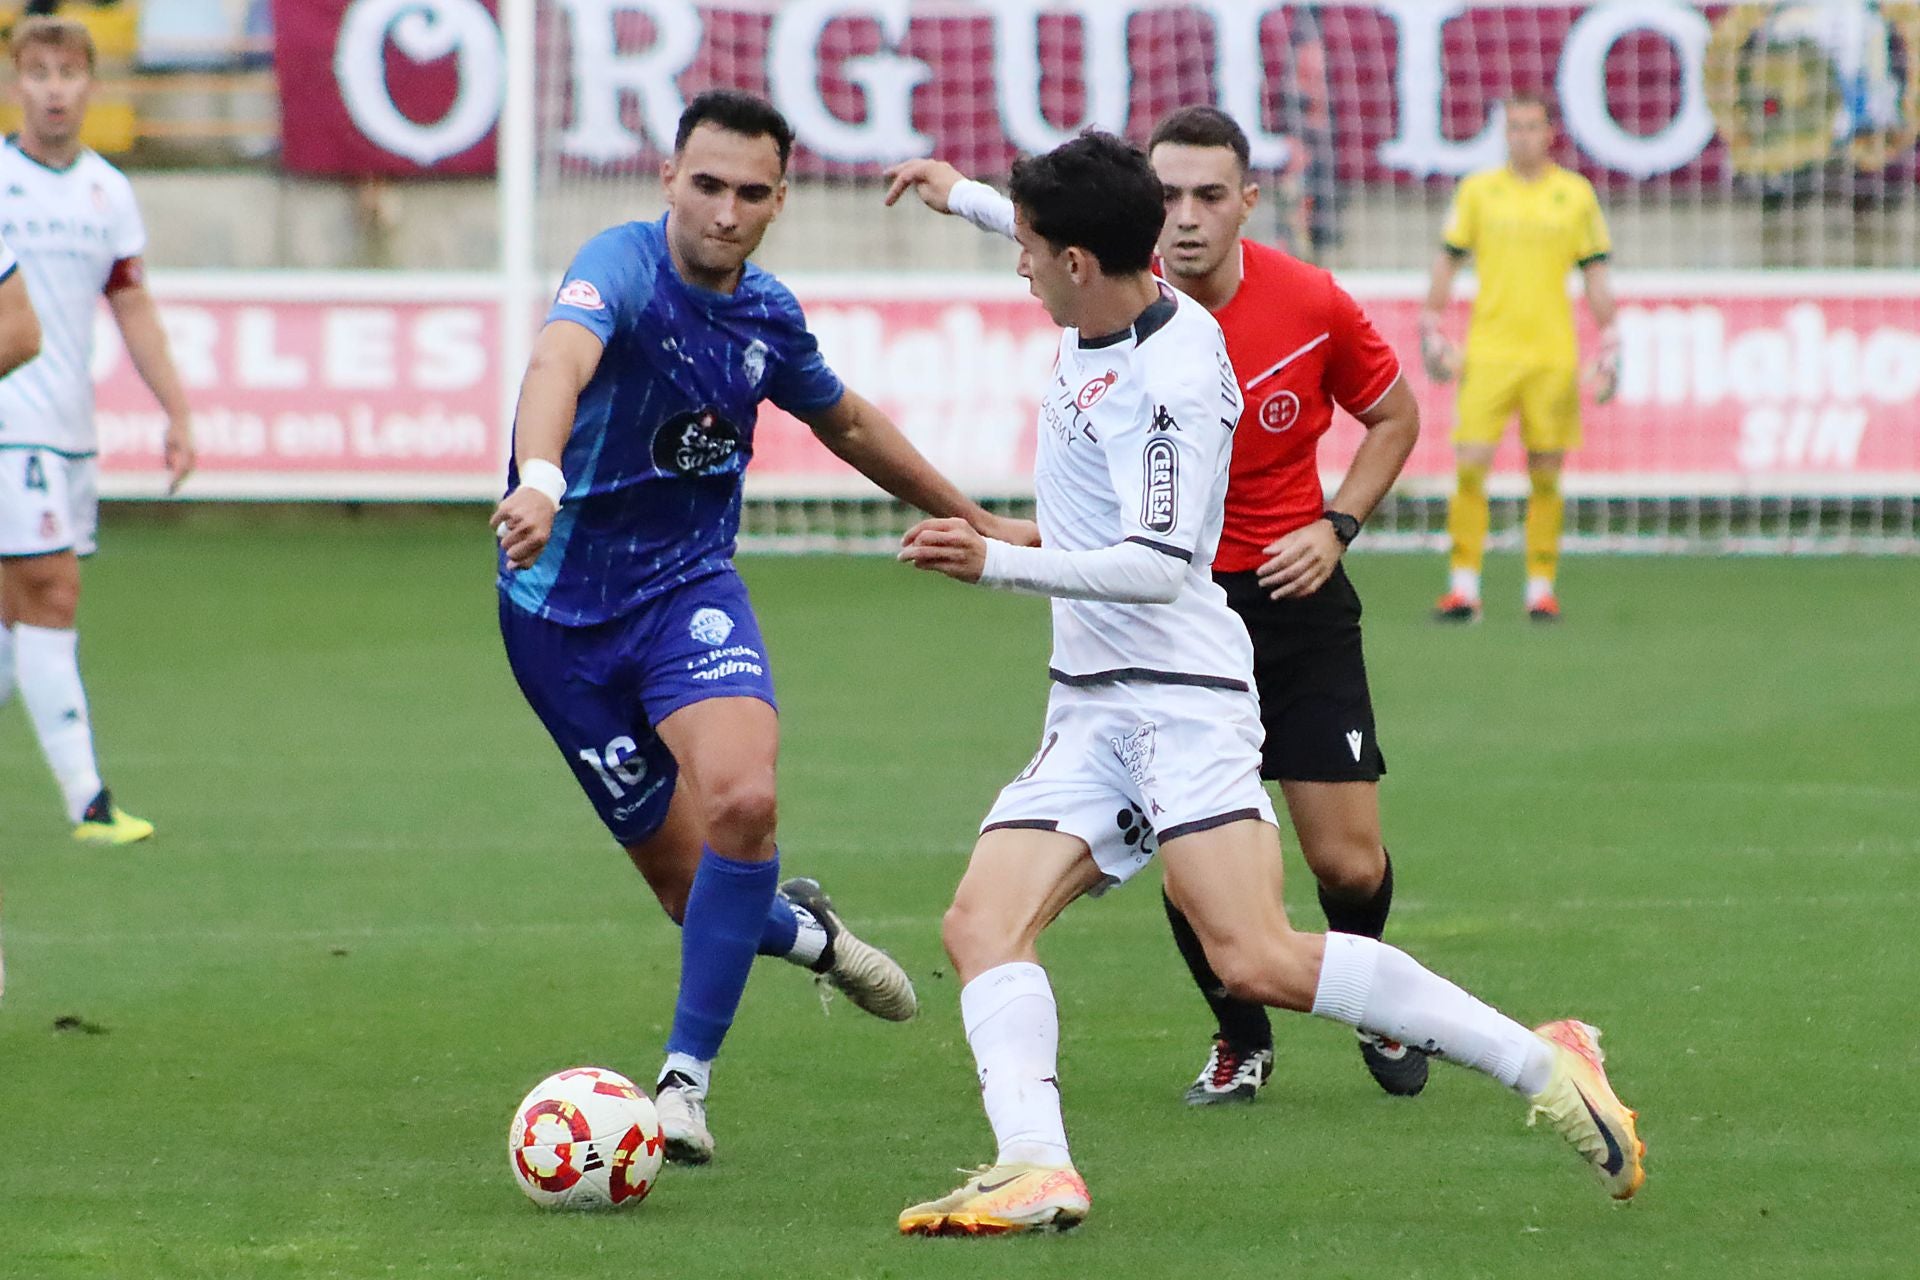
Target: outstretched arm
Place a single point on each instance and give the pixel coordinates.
(565, 356)
(868, 441)
(1125, 573)
(943, 189)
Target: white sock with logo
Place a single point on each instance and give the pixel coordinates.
(699, 1071)
(47, 665)
(6, 664)
(1383, 990)
(809, 938)
(1014, 1028)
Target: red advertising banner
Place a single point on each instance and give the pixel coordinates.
(388, 88)
(391, 387)
(1339, 92)
(1749, 383)
(315, 387)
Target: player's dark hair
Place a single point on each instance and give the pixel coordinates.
(1203, 127)
(736, 112)
(1534, 98)
(1096, 192)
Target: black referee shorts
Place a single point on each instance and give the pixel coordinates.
(1312, 680)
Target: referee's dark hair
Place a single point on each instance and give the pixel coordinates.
(1096, 192)
(1203, 127)
(736, 112)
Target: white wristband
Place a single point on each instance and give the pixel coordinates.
(543, 477)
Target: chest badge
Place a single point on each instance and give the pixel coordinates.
(1280, 411)
(1090, 394)
(753, 362)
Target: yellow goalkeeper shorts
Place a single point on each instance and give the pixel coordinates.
(1547, 398)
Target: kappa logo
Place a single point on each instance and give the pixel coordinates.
(581, 294)
(1163, 420)
(1354, 739)
(1280, 411)
(1160, 508)
(1136, 752)
(753, 361)
(710, 627)
(1090, 394)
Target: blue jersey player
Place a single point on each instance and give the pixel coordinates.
(625, 623)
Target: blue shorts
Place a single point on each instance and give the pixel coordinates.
(600, 690)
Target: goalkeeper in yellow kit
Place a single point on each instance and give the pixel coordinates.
(1526, 224)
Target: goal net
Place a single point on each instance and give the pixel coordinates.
(1757, 164)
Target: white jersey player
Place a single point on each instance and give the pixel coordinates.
(71, 218)
(1153, 734)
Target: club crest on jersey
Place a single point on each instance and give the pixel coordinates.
(1160, 508)
(1280, 411)
(1090, 394)
(581, 294)
(710, 627)
(701, 443)
(753, 362)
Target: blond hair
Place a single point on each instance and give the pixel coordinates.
(53, 33)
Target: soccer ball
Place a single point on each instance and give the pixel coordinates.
(585, 1138)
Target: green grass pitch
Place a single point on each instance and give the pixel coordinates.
(378, 911)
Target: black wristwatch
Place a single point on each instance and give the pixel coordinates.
(1345, 527)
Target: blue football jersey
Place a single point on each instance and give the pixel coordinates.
(665, 428)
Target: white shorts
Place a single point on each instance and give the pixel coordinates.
(1126, 766)
(48, 502)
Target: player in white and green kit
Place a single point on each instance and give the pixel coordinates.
(71, 218)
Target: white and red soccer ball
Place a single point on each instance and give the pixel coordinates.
(586, 1138)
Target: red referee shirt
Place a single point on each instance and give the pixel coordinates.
(1300, 345)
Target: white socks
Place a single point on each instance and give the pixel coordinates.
(1383, 990)
(48, 672)
(694, 1069)
(809, 939)
(1464, 582)
(6, 664)
(1014, 1028)
(1538, 589)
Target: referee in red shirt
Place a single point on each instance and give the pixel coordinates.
(1299, 345)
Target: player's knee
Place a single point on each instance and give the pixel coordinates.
(1270, 971)
(48, 601)
(741, 811)
(975, 939)
(1350, 866)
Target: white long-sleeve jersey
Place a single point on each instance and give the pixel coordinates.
(72, 229)
(1135, 434)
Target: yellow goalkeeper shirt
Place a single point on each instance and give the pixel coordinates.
(1525, 237)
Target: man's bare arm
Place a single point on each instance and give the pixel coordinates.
(139, 320)
(19, 324)
(565, 357)
(869, 442)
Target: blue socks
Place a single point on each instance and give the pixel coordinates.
(728, 912)
(782, 928)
